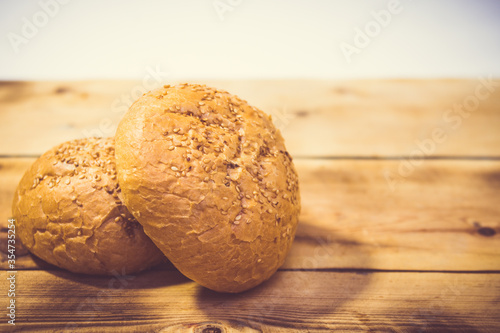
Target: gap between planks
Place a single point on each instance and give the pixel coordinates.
(45, 267)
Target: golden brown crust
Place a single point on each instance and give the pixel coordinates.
(68, 212)
(210, 180)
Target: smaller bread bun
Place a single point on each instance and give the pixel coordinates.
(68, 212)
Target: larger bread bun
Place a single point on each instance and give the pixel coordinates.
(209, 178)
(68, 212)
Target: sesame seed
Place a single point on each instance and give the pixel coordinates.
(259, 260)
(237, 218)
(269, 210)
(176, 130)
(118, 219)
(174, 168)
(224, 198)
(248, 196)
(67, 181)
(171, 148)
(201, 103)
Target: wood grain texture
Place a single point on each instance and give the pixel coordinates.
(159, 301)
(442, 217)
(317, 118)
(11, 172)
(389, 240)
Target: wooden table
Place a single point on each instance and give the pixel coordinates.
(399, 232)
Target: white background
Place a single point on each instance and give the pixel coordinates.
(255, 39)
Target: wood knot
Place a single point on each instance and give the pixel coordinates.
(486, 231)
(209, 328)
(301, 113)
(62, 90)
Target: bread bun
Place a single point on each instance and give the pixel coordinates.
(209, 178)
(68, 212)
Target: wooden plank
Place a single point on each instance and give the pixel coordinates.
(317, 118)
(443, 216)
(158, 301)
(11, 172)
